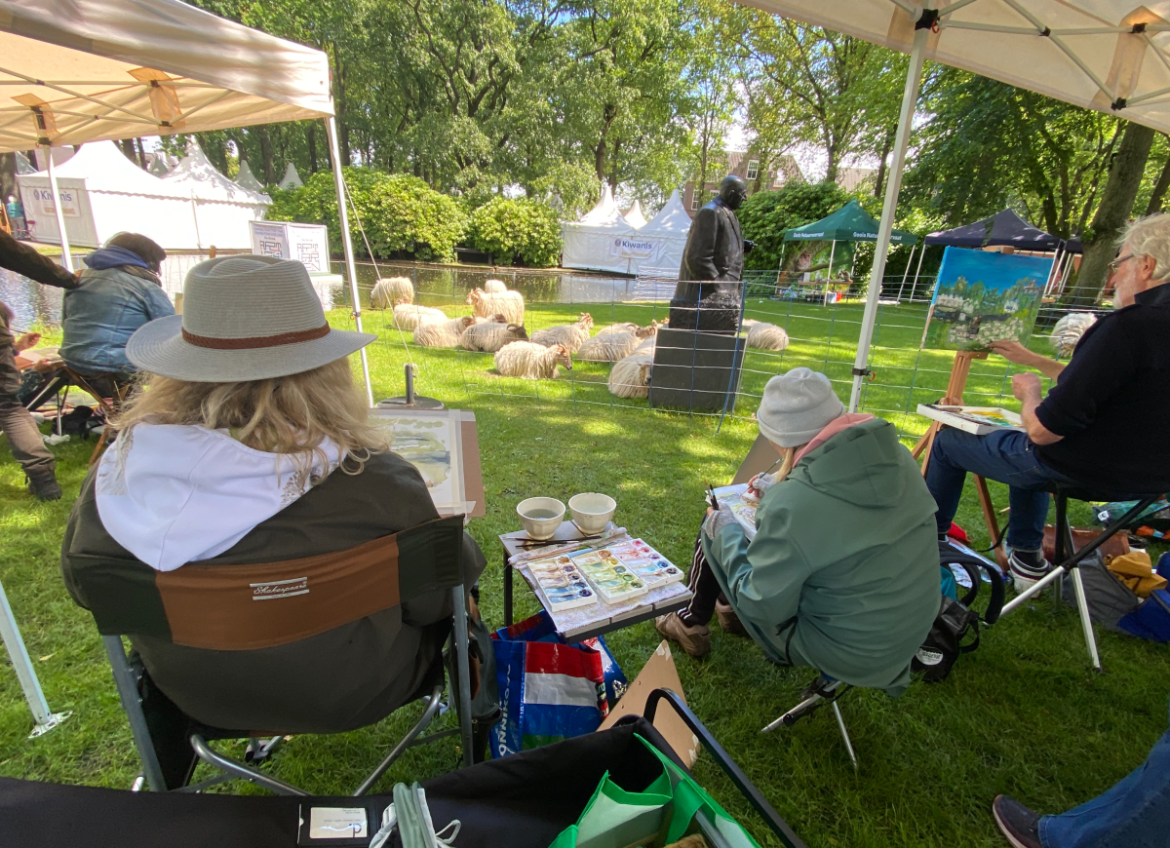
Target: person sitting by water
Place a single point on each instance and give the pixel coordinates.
(250, 443)
(843, 573)
(119, 292)
(1099, 428)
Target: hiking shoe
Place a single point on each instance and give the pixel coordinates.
(728, 619)
(44, 486)
(1020, 825)
(1027, 568)
(694, 639)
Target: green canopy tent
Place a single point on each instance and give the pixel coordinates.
(850, 223)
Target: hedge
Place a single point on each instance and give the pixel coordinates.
(517, 232)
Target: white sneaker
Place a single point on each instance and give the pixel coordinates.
(1026, 575)
(37, 417)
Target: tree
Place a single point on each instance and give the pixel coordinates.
(766, 215)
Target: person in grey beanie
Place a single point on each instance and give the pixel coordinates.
(842, 573)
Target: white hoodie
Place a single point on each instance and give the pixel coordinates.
(172, 494)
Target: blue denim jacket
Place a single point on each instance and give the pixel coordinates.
(100, 316)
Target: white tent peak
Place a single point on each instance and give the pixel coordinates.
(197, 175)
(605, 213)
(247, 179)
(105, 168)
(671, 218)
(634, 215)
(291, 178)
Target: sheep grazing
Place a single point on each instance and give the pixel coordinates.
(1068, 331)
(764, 336)
(409, 316)
(572, 336)
(507, 303)
(442, 333)
(630, 377)
(612, 346)
(491, 336)
(392, 291)
(494, 287)
(532, 361)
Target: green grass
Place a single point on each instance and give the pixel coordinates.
(1022, 715)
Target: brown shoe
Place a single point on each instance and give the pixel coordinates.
(42, 485)
(728, 619)
(695, 640)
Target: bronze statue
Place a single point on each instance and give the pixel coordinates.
(709, 294)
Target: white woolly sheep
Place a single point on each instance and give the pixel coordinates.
(508, 303)
(764, 336)
(623, 327)
(611, 346)
(572, 336)
(1068, 331)
(491, 336)
(409, 316)
(532, 361)
(630, 377)
(391, 291)
(646, 347)
(442, 333)
(494, 286)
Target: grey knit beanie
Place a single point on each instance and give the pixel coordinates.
(797, 406)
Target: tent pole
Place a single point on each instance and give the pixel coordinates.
(886, 226)
(347, 244)
(1052, 272)
(918, 270)
(906, 273)
(832, 252)
(66, 256)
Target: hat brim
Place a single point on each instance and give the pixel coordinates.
(159, 347)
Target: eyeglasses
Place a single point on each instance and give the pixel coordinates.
(1115, 265)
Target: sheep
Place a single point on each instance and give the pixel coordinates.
(764, 336)
(532, 361)
(491, 336)
(646, 347)
(495, 287)
(1068, 331)
(611, 346)
(570, 335)
(623, 327)
(509, 303)
(391, 291)
(442, 333)
(630, 377)
(409, 316)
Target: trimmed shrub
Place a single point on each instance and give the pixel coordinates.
(767, 214)
(401, 214)
(517, 232)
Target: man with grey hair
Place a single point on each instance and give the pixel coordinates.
(1099, 428)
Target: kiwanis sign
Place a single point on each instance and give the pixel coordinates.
(625, 248)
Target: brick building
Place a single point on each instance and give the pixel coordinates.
(749, 168)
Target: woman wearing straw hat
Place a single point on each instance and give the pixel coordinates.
(249, 443)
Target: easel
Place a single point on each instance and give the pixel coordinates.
(954, 397)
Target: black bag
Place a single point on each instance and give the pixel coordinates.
(79, 421)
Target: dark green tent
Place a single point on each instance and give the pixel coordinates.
(849, 223)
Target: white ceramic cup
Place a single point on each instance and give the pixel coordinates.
(592, 511)
(549, 514)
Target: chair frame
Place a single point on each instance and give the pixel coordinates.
(126, 682)
(823, 691)
(1070, 559)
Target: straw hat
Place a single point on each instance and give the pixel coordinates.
(244, 318)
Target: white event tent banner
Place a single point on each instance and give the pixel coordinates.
(1108, 55)
(666, 232)
(103, 193)
(221, 208)
(601, 241)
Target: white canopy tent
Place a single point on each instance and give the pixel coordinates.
(634, 215)
(246, 179)
(222, 209)
(667, 233)
(599, 241)
(291, 178)
(1108, 55)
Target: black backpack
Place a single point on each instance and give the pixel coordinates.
(79, 421)
(956, 627)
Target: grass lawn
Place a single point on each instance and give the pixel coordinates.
(1022, 715)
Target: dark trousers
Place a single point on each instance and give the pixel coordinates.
(705, 587)
(24, 437)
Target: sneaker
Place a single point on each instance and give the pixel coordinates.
(694, 639)
(1027, 568)
(37, 417)
(1019, 824)
(44, 486)
(728, 619)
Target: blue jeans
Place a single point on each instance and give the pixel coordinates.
(1135, 813)
(1005, 455)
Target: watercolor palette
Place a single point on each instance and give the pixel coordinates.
(625, 571)
(562, 583)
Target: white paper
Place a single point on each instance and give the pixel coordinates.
(337, 823)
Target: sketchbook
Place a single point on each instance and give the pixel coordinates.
(744, 510)
(443, 446)
(979, 420)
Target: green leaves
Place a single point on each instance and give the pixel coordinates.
(766, 215)
(517, 232)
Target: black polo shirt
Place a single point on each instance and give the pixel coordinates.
(1112, 402)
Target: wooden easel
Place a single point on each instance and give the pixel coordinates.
(954, 397)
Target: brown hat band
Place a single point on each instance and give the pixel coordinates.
(253, 342)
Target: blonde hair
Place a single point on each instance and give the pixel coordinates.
(285, 415)
(789, 461)
(1150, 236)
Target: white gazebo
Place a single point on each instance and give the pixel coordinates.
(291, 178)
(222, 208)
(600, 240)
(666, 232)
(634, 215)
(247, 179)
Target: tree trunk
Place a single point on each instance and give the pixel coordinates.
(7, 176)
(1125, 176)
(341, 109)
(127, 145)
(141, 151)
(267, 164)
(1163, 183)
(311, 143)
(216, 150)
(887, 146)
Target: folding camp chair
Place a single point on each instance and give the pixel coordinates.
(108, 391)
(212, 607)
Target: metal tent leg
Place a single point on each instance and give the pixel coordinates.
(25, 673)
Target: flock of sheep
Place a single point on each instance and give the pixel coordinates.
(496, 325)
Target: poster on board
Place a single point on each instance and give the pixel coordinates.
(981, 297)
(307, 243)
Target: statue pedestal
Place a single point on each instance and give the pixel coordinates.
(696, 371)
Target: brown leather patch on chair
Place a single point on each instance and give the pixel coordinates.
(244, 607)
(1115, 546)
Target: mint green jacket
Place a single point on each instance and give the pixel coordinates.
(843, 574)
